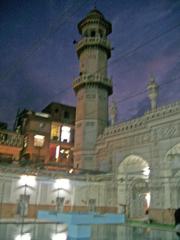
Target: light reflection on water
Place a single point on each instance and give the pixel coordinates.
(99, 232)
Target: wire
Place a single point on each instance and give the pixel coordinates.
(138, 93)
(37, 44)
(126, 54)
(130, 53)
(134, 50)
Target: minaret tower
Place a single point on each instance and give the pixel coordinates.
(92, 87)
(153, 92)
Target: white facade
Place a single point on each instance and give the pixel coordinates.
(142, 155)
(149, 142)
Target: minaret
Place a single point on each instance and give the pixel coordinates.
(113, 113)
(92, 87)
(153, 92)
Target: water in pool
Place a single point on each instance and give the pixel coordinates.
(41, 231)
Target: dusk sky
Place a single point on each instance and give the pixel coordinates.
(38, 59)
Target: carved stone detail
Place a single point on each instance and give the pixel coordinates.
(165, 132)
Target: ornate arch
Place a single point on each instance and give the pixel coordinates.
(133, 185)
(172, 158)
(133, 163)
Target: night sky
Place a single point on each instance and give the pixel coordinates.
(38, 59)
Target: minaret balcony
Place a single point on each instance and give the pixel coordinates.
(92, 79)
(89, 42)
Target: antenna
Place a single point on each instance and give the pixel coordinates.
(95, 3)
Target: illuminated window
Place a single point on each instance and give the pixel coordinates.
(64, 153)
(39, 140)
(55, 131)
(65, 134)
(57, 152)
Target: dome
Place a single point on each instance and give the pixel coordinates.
(95, 16)
(95, 13)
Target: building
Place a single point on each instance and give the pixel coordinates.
(92, 87)
(35, 127)
(62, 134)
(129, 167)
(48, 136)
(11, 144)
(143, 154)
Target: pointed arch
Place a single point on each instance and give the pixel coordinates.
(172, 157)
(133, 163)
(133, 185)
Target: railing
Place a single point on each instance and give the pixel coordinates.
(93, 41)
(92, 78)
(11, 138)
(139, 123)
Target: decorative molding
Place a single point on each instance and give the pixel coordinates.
(141, 123)
(165, 132)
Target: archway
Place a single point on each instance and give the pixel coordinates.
(172, 177)
(172, 158)
(133, 190)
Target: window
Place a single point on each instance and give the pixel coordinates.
(55, 131)
(93, 33)
(66, 114)
(64, 153)
(39, 140)
(57, 153)
(65, 134)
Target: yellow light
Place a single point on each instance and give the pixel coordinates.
(71, 170)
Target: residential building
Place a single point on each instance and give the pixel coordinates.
(61, 135)
(48, 135)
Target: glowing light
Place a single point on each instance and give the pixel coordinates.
(39, 140)
(40, 114)
(62, 183)
(65, 134)
(146, 171)
(57, 151)
(71, 170)
(59, 236)
(25, 236)
(148, 199)
(27, 180)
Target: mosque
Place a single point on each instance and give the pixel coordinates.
(143, 154)
(134, 166)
